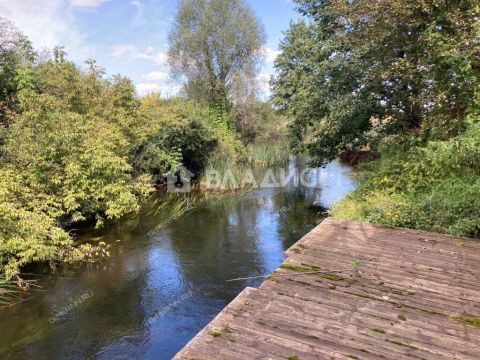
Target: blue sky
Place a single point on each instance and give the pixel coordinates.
(127, 36)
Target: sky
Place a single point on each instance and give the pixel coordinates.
(128, 37)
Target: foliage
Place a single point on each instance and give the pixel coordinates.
(259, 127)
(26, 235)
(357, 71)
(78, 147)
(438, 193)
(180, 136)
(66, 159)
(74, 146)
(397, 76)
(318, 87)
(212, 44)
(257, 121)
(15, 52)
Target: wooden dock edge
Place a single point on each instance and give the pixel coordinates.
(422, 303)
(198, 340)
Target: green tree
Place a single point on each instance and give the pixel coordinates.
(213, 45)
(319, 85)
(16, 52)
(357, 71)
(67, 158)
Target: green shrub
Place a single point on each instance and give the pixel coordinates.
(272, 153)
(66, 159)
(433, 187)
(178, 133)
(257, 122)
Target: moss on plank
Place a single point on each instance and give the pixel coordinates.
(431, 311)
(399, 343)
(468, 320)
(220, 332)
(332, 277)
(298, 268)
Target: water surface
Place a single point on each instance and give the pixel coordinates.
(160, 287)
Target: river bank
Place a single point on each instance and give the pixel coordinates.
(161, 285)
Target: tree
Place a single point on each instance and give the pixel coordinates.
(357, 71)
(15, 52)
(319, 85)
(66, 158)
(212, 45)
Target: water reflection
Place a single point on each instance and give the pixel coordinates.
(157, 290)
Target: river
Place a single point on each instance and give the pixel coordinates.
(160, 286)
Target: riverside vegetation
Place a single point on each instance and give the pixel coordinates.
(81, 148)
(400, 78)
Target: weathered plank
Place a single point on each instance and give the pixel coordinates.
(352, 290)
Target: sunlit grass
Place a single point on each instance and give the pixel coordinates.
(269, 154)
(12, 291)
(229, 174)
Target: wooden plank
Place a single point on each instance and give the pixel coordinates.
(401, 304)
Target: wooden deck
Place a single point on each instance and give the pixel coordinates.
(355, 291)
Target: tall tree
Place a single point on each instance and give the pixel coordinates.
(319, 85)
(356, 71)
(15, 52)
(214, 46)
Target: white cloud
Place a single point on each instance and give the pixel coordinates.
(270, 54)
(145, 88)
(135, 3)
(46, 23)
(156, 75)
(166, 89)
(123, 51)
(127, 52)
(87, 3)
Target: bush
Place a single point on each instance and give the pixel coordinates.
(433, 187)
(257, 121)
(180, 138)
(66, 159)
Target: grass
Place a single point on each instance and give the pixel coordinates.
(221, 332)
(332, 277)
(223, 173)
(172, 206)
(224, 176)
(356, 265)
(438, 193)
(11, 291)
(269, 154)
(399, 343)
